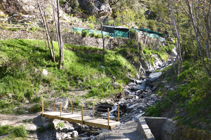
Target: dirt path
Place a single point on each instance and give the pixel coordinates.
(126, 131)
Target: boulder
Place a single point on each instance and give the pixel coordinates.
(154, 76)
(64, 101)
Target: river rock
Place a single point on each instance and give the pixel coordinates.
(74, 134)
(154, 76)
(139, 87)
(64, 101)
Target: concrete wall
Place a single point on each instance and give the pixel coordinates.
(162, 128)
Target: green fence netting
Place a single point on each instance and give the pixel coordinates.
(75, 29)
(151, 34)
(150, 31)
(120, 33)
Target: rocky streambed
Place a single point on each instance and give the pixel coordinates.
(135, 98)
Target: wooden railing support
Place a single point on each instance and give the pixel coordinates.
(93, 110)
(118, 113)
(54, 105)
(108, 119)
(42, 108)
(60, 110)
(82, 117)
(72, 106)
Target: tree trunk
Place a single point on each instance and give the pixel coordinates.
(60, 41)
(47, 33)
(197, 39)
(103, 42)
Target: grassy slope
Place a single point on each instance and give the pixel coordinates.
(190, 102)
(22, 62)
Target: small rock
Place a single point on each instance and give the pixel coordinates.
(2, 124)
(44, 72)
(74, 134)
(64, 101)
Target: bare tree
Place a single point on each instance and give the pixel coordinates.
(45, 23)
(197, 37)
(55, 5)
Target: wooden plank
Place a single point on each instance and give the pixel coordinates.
(76, 118)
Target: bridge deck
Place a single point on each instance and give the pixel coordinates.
(75, 118)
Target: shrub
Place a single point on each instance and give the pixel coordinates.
(85, 33)
(33, 29)
(37, 99)
(92, 19)
(3, 104)
(40, 129)
(152, 25)
(4, 129)
(91, 26)
(50, 126)
(93, 34)
(79, 33)
(36, 108)
(19, 131)
(99, 36)
(60, 124)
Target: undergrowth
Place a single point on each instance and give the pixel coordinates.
(190, 103)
(24, 60)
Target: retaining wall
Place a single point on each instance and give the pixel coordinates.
(162, 128)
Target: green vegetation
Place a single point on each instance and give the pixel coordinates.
(23, 63)
(40, 129)
(190, 103)
(60, 124)
(18, 131)
(85, 33)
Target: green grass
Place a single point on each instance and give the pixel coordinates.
(190, 103)
(23, 62)
(18, 131)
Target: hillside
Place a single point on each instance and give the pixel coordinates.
(28, 75)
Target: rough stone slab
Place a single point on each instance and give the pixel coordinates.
(139, 87)
(154, 76)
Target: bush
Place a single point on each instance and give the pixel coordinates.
(40, 129)
(36, 108)
(91, 26)
(93, 34)
(152, 25)
(92, 19)
(33, 29)
(99, 36)
(4, 129)
(85, 33)
(19, 131)
(60, 124)
(3, 104)
(50, 126)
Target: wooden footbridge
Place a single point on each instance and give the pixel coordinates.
(76, 118)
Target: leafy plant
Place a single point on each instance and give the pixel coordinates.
(60, 124)
(85, 33)
(19, 131)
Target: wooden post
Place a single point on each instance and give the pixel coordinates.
(60, 110)
(93, 110)
(72, 106)
(42, 108)
(82, 114)
(108, 118)
(118, 113)
(54, 105)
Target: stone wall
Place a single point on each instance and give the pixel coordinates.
(162, 128)
(75, 39)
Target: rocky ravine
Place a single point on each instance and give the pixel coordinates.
(137, 96)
